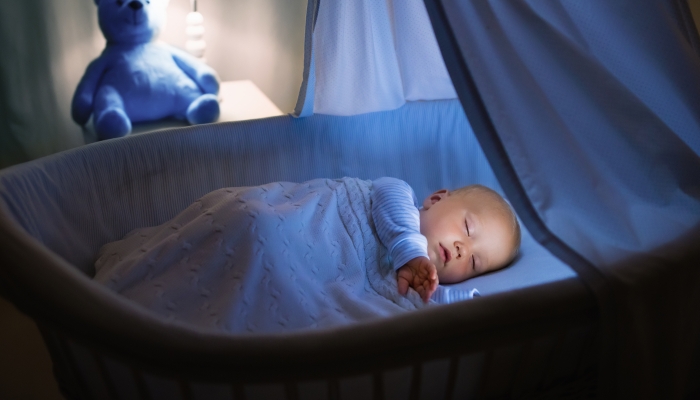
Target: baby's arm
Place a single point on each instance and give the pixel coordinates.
(397, 221)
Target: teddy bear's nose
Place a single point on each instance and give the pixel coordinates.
(135, 5)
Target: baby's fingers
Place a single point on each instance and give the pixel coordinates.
(432, 287)
(431, 282)
(425, 291)
(430, 270)
(420, 285)
(402, 284)
(420, 289)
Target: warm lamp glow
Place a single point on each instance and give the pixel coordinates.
(195, 43)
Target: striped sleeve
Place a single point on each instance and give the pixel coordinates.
(397, 220)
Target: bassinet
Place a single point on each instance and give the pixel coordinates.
(50, 210)
(539, 337)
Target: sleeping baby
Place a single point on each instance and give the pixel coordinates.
(455, 235)
(286, 256)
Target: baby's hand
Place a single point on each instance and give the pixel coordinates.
(421, 275)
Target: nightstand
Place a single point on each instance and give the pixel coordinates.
(238, 101)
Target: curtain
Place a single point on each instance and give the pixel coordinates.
(44, 56)
(367, 56)
(589, 112)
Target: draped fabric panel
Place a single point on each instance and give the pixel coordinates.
(45, 46)
(367, 56)
(570, 88)
(597, 106)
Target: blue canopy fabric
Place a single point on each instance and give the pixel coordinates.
(589, 113)
(367, 56)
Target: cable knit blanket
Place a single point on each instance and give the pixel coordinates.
(271, 258)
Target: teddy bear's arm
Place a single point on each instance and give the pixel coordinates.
(81, 106)
(201, 73)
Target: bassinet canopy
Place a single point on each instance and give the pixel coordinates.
(589, 114)
(366, 56)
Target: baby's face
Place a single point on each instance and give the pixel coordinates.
(467, 235)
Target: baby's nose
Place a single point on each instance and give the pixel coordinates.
(460, 249)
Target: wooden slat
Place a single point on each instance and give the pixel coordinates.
(378, 386)
(415, 382)
(104, 375)
(333, 389)
(523, 363)
(141, 386)
(452, 377)
(64, 348)
(485, 374)
(548, 369)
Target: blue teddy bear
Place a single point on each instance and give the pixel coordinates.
(136, 79)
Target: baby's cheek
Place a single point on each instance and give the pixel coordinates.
(444, 275)
(453, 274)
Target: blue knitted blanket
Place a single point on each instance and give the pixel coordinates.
(271, 258)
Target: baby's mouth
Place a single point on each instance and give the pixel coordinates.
(445, 254)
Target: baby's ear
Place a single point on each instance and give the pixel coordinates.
(435, 197)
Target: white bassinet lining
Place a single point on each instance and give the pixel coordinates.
(118, 187)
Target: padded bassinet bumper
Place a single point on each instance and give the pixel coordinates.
(56, 212)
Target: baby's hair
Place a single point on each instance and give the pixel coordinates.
(502, 206)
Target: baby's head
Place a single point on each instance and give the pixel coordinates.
(470, 231)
